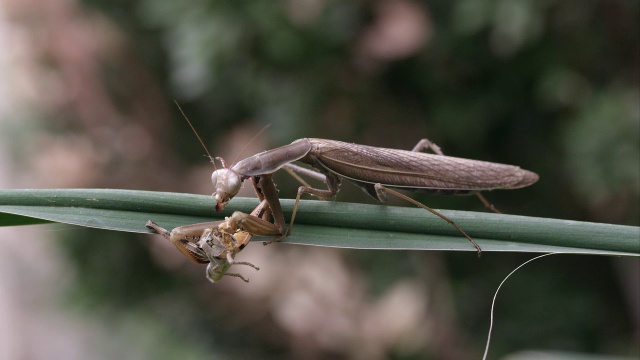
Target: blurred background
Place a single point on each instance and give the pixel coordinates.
(86, 101)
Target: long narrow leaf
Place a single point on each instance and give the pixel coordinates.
(323, 223)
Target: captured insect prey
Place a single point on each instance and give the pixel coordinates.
(216, 243)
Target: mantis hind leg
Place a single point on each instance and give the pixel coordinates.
(427, 144)
(381, 192)
(487, 204)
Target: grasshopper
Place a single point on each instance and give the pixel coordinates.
(216, 243)
(376, 170)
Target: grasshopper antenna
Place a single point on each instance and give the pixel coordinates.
(249, 142)
(198, 136)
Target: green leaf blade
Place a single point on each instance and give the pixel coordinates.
(323, 223)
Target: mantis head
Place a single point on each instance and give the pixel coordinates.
(227, 184)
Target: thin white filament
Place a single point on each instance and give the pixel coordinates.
(493, 303)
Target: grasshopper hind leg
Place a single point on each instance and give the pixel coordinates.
(188, 248)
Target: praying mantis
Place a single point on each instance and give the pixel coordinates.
(376, 170)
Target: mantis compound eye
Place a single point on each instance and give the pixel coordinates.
(227, 184)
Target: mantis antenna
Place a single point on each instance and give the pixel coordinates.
(249, 142)
(195, 132)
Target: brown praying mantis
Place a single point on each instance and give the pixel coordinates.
(376, 170)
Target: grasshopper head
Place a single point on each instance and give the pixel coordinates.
(227, 184)
(217, 270)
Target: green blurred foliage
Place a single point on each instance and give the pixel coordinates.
(548, 85)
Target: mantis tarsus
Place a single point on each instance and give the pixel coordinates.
(376, 170)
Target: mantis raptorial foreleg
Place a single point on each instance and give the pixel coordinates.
(267, 188)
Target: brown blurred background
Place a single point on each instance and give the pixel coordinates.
(86, 100)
